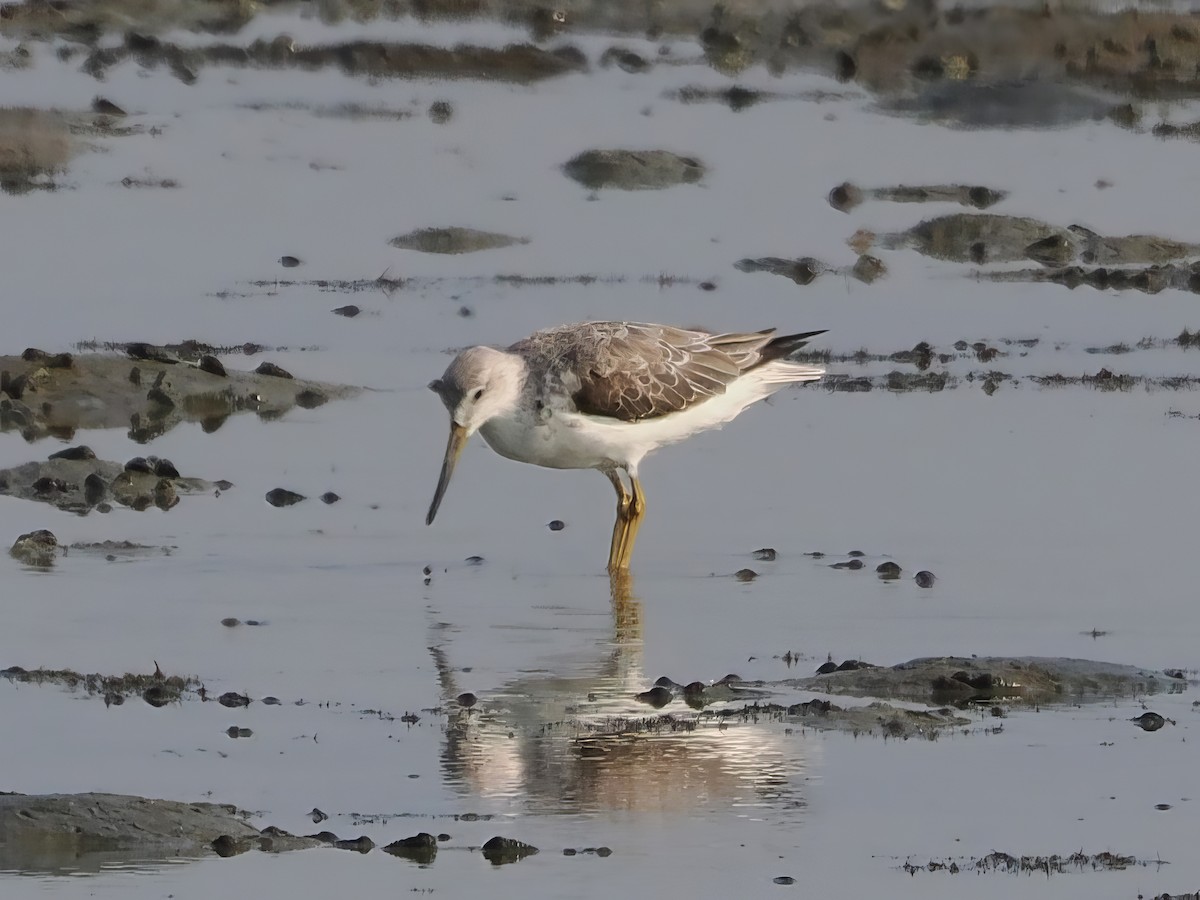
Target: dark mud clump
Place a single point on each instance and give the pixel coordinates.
(631, 170)
(454, 240)
(805, 270)
(501, 850)
(420, 848)
(280, 497)
(847, 196)
(1151, 721)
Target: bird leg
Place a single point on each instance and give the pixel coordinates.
(637, 511)
(621, 526)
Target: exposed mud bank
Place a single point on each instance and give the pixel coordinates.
(150, 390)
(1017, 679)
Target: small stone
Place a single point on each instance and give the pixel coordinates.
(158, 695)
(164, 468)
(94, 489)
(440, 112)
(657, 696)
(501, 850)
(140, 465)
(36, 548)
(766, 554)
(213, 366)
(106, 107)
(603, 851)
(1150, 721)
(329, 497)
(317, 816)
(289, 262)
(784, 879)
(423, 840)
(474, 560)
(888, 571)
(466, 700)
(233, 700)
(82, 452)
(234, 732)
(924, 579)
(557, 525)
(361, 844)
(269, 368)
(48, 485)
(280, 497)
(856, 553)
(310, 399)
(165, 495)
(744, 575)
(707, 286)
(849, 564)
(231, 622)
(349, 311)
(826, 667)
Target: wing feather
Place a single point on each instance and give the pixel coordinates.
(629, 370)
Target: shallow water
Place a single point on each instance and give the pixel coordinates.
(1046, 513)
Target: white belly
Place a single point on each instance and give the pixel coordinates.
(570, 440)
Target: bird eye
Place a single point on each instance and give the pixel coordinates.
(479, 394)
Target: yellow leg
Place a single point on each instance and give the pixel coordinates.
(621, 526)
(637, 510)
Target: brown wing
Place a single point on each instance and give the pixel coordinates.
(631, 371)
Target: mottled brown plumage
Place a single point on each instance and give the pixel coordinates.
(631, 370)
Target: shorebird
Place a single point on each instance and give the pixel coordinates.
(603, 395)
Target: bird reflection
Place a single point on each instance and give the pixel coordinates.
(584, 743)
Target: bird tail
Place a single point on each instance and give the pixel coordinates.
(785, 345)
(776, 366)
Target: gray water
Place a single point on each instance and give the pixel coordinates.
(1045, 513)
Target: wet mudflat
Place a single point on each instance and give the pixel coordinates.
(1011, 410)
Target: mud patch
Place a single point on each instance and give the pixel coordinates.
(152, 687)
(151, 390)
(632, 170)
(847, 196)
(1006, 863)
(516, 63)
(1030, 680)
(56, 833)
(454, 240)
(80, 485)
